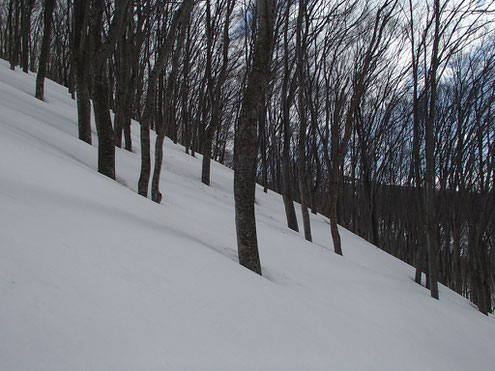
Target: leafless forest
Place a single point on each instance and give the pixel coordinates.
(379, 114)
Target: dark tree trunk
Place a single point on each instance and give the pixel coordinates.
(333, 191)
(122, 87)
(146, 119)
(262, 142)
(214, 90)
(80, 58)
(209, 102)
(168, 113)
(104, 129)
(301, 158)
(290, 211)
(45, 49)
(83, 104)
(14, 58)
(431, 227)
(101, 52)
(27, 10)
(245, 146)
(287, 97)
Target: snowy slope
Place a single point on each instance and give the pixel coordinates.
(95, 277)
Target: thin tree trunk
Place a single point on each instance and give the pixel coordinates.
(45, 49)
(169, 91)
(146, 119)
(301, 158)
(26, 32)
(431, 228)
(122, 71)
(14, 41)
(80, 57)
(333, 191)
(101, 51)
(263, 149)
(215, 90)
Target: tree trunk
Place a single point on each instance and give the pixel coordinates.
(104, 129)
(290, 211)
(431, 227)
(333, 191)
(80, 58)
(246, 150)
(122, 88)
(287, 97)
(101, 52)
(45, 49)
(14, 39)
(27, 10)
(168, 113)
(262, 145)
(146, 119)
(214, 90)
(301, 151)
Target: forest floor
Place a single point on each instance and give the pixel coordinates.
(95, 277)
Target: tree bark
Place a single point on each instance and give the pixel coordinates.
(301, 151)
(80, 59)
(26, 12)
(101, 52)
(246, 149)
(431, 227)
(169, 91)
(215, 90)
(163, 54)
(45, 49)
(287, 98)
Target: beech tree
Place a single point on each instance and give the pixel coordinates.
(149, 107)
(101, 48)
(348, 92)
(246, 149)
(45, 48)
(378, 115)
(215, 88)
(80, 61)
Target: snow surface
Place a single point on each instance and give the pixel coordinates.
(95, 277)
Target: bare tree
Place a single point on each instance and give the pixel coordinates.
(168, 113)
(215, 88)
(45, 48)
(149, 107)
(101, 50)
(287, 96)
(246, 149)
(80, 60)
(301, 152)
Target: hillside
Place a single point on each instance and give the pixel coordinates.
(95, 277)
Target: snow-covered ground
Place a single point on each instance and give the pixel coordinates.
(95, 277)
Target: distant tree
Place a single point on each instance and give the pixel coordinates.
(349, 88)
(445, 30)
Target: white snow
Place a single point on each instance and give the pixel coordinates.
(96, 277)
